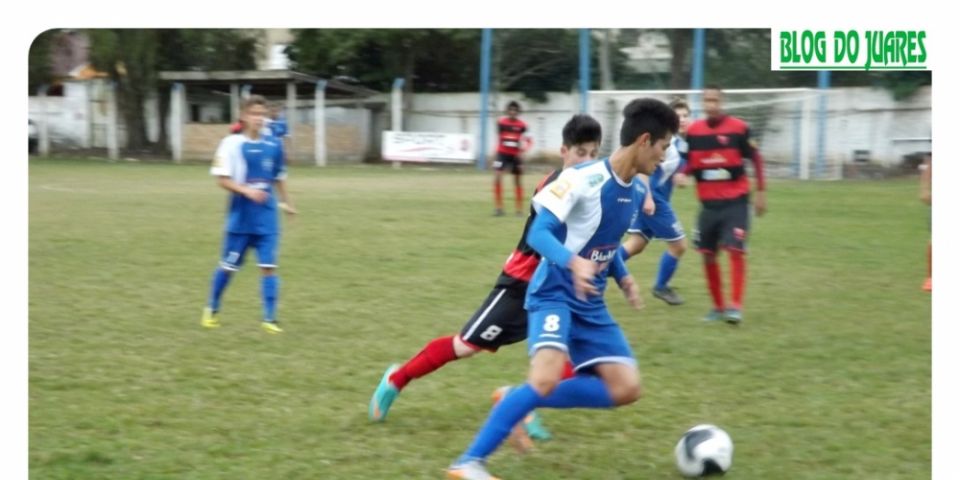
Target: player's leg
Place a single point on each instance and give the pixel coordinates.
(518, 185)
(665, 225)
(266, 246)
(706, 239)
(928, 283)
(606, 369)
(500, 320)
(635, 244)
(736, 221)
(231, 258)
(498, 167)
(549, 330)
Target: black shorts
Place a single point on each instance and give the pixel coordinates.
(501, 320)
(725, 224)
(512, 163)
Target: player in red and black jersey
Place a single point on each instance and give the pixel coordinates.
(510, 145)
(718, 148)
(501, 319)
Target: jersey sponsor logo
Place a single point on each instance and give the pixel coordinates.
(510, 143)
(560, 188)
(594, 180)
(601, 256)
(716, 174)
(624, 200)
(715, 158)
(267, 164)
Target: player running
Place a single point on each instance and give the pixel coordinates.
(581, 219)
(501, 319)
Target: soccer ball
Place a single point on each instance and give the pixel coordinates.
(704, 450)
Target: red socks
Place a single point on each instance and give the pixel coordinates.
(436, 354)
(518, 198)
(498, 195)
(712, 270)
(738, 275)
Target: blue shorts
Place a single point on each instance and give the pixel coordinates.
(235, 247)
(663, 224)
(589, 340)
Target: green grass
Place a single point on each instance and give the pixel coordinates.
(829, 378)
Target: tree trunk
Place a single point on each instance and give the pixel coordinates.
(680, 43)
(606, 70)
(163, 107)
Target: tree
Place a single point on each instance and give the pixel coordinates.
(38, 68)
(133, 59)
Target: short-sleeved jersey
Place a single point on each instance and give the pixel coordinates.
(510, 132)
(717, 150)
(661, 182)
(257, 164)
(595, 208)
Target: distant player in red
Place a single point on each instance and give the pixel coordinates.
(926, 174)
(510, 145)
(501, 319)
(718, 148)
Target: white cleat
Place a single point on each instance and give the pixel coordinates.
(472, 470)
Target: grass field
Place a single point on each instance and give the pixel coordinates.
(829, 378)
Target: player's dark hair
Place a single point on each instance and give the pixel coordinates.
(713, 86)
(647, 115)
(581, 128)
(679, 103)
(513, 104)
(253, 100)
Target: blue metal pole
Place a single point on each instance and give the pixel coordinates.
(823, 84)
(486, 45)
(696, 74)
(584, 68)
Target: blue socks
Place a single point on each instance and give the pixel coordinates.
(582, 391)
(668, 265)
(221, 278)
(269, 286)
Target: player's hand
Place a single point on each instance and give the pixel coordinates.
(584, 271)
(680, 180)
(649, 208)
(287, 208)
(632, 292)
(258, 196)
(760, 203)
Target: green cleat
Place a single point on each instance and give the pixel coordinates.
(271, 327)
(209, 319)
(383, 396)
(733, 316)
(714, 316)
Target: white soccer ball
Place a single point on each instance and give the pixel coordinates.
(704, 450)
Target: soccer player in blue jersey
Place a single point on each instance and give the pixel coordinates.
(581, 219)
(658, 219)
(250, 166)
(277, 125)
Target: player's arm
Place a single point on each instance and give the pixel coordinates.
(553, 206)
(618, 269)
(680, 178)
(649, 208)
(223, 167)
(280, 183)
(749, 149)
